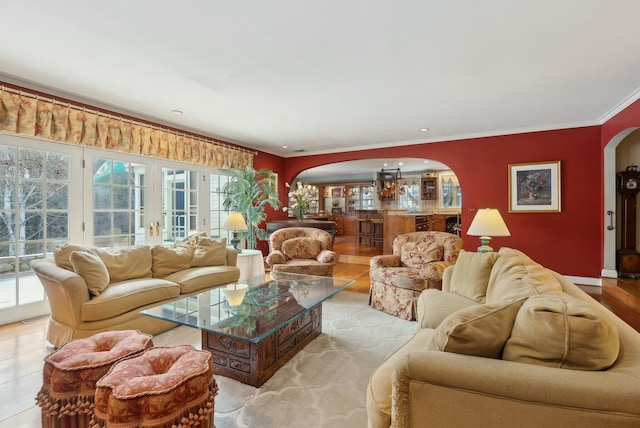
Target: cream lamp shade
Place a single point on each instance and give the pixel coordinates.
(235, 223)
(487, 223)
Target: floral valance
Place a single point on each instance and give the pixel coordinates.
(29, 114)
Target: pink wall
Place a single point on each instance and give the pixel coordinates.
(568, 242)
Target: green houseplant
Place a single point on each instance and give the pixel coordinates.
(249, 191)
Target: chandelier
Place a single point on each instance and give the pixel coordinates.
(387, 183)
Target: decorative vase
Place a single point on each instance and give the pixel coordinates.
(300, 212)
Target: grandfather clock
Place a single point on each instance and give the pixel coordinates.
(628, 259)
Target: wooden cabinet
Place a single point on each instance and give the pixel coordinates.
(429, 188)
(339, 224)
(395, 225)
(349, 226)
(443, 222)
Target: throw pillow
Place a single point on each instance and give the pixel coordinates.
(167, 260)
(127, 262)
(301, 248)
(210, 252)
(480, 330)
(470, 275)
(91, 268)
(62, 253)
(559, 330)
(515, 275)
(417, 254)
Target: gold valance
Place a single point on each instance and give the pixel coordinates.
(29, 114)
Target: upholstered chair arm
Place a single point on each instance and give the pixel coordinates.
(232, 257)
(446, 278)
(328, 256)
(276, 257)
(66, 291)
(385, 260)
(434, 270)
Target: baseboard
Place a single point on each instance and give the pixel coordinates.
(609, 273)
(581, 280)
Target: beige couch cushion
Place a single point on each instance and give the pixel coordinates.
(515, 275)
(559, 330)
(126, 296)
(167, 260)
(209, 252)
(91, 268)
(200, 278)
(480, 330)
(418, 254)
(470, 276)
(435, 305)
(301, 248)
(62, 253)
(126, 262)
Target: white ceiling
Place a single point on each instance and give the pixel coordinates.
(331, 75)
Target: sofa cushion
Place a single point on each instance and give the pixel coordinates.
(126, 262)
(418, 254)
(200, 278)
(126, 296)
(562, 331)
(301, 248)
(470, 275)
(209, 252)
(515, 275)
(480, 330)
(62, 253)
(435, 305)
(91, 268)
(167, 260)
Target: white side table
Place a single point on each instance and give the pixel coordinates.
(250, 263)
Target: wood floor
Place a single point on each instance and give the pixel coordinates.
(23, 345)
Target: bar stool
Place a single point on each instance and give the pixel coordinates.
(378, 232)
(364, 231)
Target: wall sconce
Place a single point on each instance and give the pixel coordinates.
(487, 223)
(235, 223)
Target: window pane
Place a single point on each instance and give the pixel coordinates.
(57, 225)
(33, 225)
(7, 226)
(121, 198)
(102, 197)
(57, 196)
(101, 223)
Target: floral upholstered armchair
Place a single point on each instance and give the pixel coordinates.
(417, 263)
(304, 250)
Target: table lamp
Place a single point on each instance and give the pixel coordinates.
(487, 223)
(235, 223)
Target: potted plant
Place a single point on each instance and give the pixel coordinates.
(249, 191)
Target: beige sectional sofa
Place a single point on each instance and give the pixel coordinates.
(509, 343)
(91, 290)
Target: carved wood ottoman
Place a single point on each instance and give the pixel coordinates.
(70, 374)
(163, 387)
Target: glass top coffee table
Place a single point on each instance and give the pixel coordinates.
(279, 315)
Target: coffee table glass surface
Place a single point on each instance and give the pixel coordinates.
(271, 301)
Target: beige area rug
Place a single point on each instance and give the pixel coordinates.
(324, 384)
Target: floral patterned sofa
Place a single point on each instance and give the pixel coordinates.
(304, 250)
(417, 263)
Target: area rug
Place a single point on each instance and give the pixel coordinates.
(324, 384)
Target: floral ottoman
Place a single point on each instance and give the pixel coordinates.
(70, 374)
(163, 387)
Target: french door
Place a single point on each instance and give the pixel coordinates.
(55, 194)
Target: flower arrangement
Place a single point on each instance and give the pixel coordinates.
(534, 183)
(300, 198)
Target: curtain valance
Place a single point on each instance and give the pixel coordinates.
(29, 114)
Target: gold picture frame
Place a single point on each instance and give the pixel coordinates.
(534, 187)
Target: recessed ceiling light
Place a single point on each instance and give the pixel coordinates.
(426, 161)
(178, 112)
(424, 129)
(400, 163)
(385, 164)
(285, 147)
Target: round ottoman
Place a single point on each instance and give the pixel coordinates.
(162, 387)
(70, 374)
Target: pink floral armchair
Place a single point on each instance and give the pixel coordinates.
(304, 250)
(417, 263)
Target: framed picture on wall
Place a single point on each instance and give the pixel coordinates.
(534, 187)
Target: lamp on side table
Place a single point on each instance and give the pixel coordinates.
(487, 223)
(235, 223)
